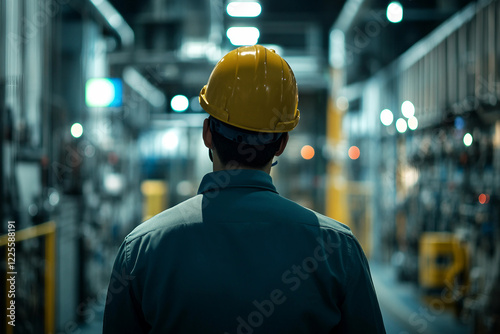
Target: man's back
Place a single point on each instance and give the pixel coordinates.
(239, 258)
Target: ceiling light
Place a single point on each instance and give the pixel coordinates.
(467, 139)
(243, 35)
(401, 125)
(386, 117)
(179, 103)
(103, 92)
(413, 123)
(76, 130)
(395, 12)
(408, 109)
(170, 140)
(243, 9)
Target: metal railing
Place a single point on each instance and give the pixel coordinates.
(48, 232)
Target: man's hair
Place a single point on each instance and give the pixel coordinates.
(232, 152)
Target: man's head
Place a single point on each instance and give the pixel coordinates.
(252, 99)
(248, 149)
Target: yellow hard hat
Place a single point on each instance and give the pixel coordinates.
(253, 88)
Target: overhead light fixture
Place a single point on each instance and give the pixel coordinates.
(103, 92)
(76, 130)
(179, 103)
(170, 140)
(401, 125)
(395, 12)
(408, 109)
(413, 123)
(195, 49)
(243, 8)
(467, 139)
(243, 35)
(386, 117)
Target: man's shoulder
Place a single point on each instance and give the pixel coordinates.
(331, 224)
(184, 213)
(315, 218)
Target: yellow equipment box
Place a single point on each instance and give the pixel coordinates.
(435, 259)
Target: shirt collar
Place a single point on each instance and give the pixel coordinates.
(236, 178)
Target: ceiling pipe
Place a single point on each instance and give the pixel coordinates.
(347, 15)
(113, 20)
(143, 87)
(339, 29)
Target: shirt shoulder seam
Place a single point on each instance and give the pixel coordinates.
(184, 220)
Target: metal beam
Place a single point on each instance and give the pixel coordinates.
(347, 15)
(112, 18)
(425, 45)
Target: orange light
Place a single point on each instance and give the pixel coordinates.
(353, 152)
(482, 198)
(307, 152)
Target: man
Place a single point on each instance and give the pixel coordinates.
(238, 257)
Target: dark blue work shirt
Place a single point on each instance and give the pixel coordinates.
(240, 259)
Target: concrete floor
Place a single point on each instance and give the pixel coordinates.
(404, 310)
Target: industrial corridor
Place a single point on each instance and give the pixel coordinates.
(249, 166)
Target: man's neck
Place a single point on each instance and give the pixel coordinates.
(217, 166)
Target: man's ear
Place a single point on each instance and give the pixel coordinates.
(284, 141)
(207, 134)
